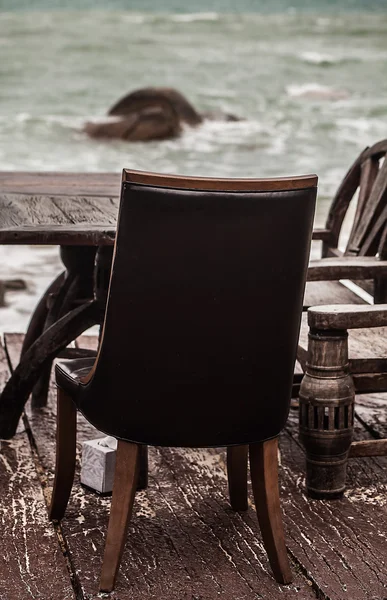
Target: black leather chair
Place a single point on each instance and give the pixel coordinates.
(203, 270)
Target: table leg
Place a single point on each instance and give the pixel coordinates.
(61, 303)
(38, 319)
(75, 288)
(39, 354)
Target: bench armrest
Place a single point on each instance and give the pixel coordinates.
(322, 234)
(347, 316)
(346, 267)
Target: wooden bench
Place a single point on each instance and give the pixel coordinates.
(334, 372)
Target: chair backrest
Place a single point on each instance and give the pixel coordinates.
(368, 174)
(203, 313)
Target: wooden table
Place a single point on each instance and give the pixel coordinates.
(78, 212)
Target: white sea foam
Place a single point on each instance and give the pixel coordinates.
(134, 18)
(318, 58)
(316, 91)
(192, 17)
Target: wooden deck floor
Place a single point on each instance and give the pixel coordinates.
(184, 542)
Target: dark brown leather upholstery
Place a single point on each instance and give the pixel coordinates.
(202, 319)
(70, 372)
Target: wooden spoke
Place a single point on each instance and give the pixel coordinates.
(40, 353)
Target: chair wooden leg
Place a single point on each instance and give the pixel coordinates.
(124, 489)
(264, 479)
(237, 476)
(65, 454)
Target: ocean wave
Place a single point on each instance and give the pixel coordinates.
(191, 17)
(134, 18)
(316, 91)
(317, 58)
(28, 119)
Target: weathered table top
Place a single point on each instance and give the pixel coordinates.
(59, 208)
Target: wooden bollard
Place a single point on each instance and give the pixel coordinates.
(327, 396)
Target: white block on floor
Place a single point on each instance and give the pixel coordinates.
(98, 464)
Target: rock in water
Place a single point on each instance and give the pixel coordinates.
(150, 114)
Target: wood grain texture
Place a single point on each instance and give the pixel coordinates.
(360, 267)
(61, 184)
(368, 448)
(373, 207)
(186, 542)
(87, 220)
(363, 345)
(31, 561)
(341, 542)
(371, 413)
(369, 171)
(347, 316)
(328, 292)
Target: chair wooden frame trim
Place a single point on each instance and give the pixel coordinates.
(214, 183)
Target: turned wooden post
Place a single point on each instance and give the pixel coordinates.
(327, 397)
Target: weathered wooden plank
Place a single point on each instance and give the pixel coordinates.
(329, 292)
(378, 229)
(348, 316)
(29, 219)
(368, 448)
(370, 382)
(362, 343)
(184, 540)
(32, 564)
(369, 171)
(30, 210)
(61, 235)
(376, 203)
(331, 269)
(343, 197)
(340, 543)
(371, 410)
(322, 234)
(61, 184)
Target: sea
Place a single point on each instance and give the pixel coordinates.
(308, 78)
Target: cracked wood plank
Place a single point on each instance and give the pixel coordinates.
(371, 410)
(184, 541)
(31, 561)
(57, 219)
(341, 543)
(60, 184)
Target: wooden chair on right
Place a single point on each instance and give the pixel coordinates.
(336, 370)
(367, 244)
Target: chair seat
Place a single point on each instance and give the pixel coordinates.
(69, 372)
(318, 293)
